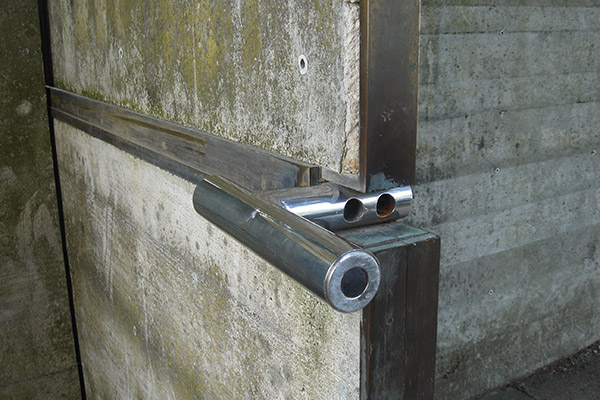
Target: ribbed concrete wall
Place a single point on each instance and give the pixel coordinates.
(509, 177)
(37, 355)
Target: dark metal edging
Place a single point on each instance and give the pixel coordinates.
(389, 66)
(399, 326)
(183, 151)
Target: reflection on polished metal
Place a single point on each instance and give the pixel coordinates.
(336, 208)
(346, 277)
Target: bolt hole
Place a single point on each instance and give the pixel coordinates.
(354, 282)
(303, 64)
(353, 210)
(386, 204)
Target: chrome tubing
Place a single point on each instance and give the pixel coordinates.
(345, 277)
(336, 208)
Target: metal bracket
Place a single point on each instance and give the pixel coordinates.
(342, 274)
(277, 226)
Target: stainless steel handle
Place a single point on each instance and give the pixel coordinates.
(341, 274)
(336, 208)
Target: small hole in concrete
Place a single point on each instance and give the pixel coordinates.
(354, 282)
(303, 64)
(386, 204)
(353, 210)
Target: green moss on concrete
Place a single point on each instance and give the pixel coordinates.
(226, 68)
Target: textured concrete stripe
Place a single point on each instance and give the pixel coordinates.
(494, 18)
(451, 57)
(514, 284)
(475, 237)
(475, 195)
(444, 100)
(501, 139)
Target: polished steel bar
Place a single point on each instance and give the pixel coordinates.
(344, 276)
(336, 208)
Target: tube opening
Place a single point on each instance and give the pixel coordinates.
(353, 210)
(354, 282)
(386, 204)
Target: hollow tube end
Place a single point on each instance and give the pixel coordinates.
(352, 280)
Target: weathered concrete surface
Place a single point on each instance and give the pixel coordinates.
(169, 306)
(509, 169)
(36, 344)
(576, 377)
(230, 68)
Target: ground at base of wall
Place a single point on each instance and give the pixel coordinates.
(576, 377)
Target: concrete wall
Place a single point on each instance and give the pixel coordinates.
(229, 68)
(36, 343)
(509, 177)
(170, 307)
(167, 305)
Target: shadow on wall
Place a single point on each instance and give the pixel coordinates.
(38, 355)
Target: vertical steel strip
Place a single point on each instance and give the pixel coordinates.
(399, 326)
(389, 64)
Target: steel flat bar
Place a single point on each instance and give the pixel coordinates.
(388, 92)
(183, 151)
(389, 61)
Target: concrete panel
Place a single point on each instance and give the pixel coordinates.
(508, 169)
(230, 68)
(171, 307)
(36, 340)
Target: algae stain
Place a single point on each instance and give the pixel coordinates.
(251, 33)
(80, 16)
(100, 22)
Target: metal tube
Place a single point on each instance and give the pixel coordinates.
(336, 208)
(344, 276)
